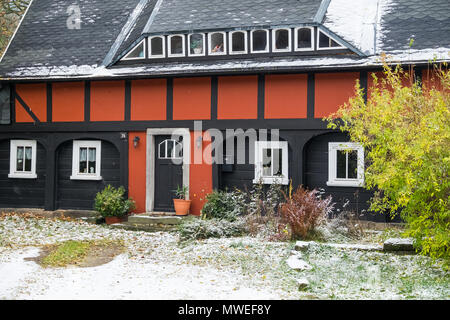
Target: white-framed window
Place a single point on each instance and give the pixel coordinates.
(281, 40)
(217, 43)
(156, 47)
(327, 42)
(196, 44)
(170, 149)
(22, 163)
(86, 160)
(259, 40)
(138, 52)
(176, 45)
(345, 164)
(238, 42)
(271, 162)
(304, 39)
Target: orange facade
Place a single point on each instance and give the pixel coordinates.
(237, 97)
(148, 99)
(332, 90)
(107, 100)
(286, 96)
(35, 96)
(137, 169)
(68, 101)
(192, 98)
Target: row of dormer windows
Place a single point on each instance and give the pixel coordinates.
(232, 43)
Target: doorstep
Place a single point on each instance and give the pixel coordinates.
(151, 222)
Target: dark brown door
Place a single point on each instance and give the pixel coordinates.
(168, 172)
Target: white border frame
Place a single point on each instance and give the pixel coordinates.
(289, 48)
(13, 173)
(151, 161)
(333, 147)
(332, 38)
(210, 53)
(169, 46)
(125, 58)
(259, 146)
(189, 46)
(267, 39)
(158, 56)
(296, 39)
(230, 41)
(77, 144)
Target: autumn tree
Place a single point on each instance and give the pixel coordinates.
(404, 127)
(10, 13)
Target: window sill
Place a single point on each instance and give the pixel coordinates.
(93, 178)
(22, 176)
(355, 184)
(284, 181)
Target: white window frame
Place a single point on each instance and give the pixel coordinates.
(259, 147)
(289, 48)
(13, 173)
(333, 181)
(77, 144)
(169, 46)
(157, 56)
(267, 41)
(189, 45)
(126, 58)
(296, 48)
(332, 38)
(230, 41)
(224, 44)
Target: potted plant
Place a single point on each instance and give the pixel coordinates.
(112, 205)
(181, 204)
(197, 46)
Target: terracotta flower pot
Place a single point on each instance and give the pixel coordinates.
(181, 206)
(112, 220)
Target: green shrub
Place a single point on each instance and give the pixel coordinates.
(111, 202)
(222, 205)
(212, 228)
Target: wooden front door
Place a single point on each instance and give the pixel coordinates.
(168, 171)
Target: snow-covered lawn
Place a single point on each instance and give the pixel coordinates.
(158, 266)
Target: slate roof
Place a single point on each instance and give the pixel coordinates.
(44, 47)
(182, 15)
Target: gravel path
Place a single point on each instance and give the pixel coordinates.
(155, 266)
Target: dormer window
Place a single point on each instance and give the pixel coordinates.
(196, 44)
(259, 41)
(156, 47)
(138, 52)
(326, 42)
(281, 40)
(217, 45)
(176, 46)
(238, 42)
(304, 40)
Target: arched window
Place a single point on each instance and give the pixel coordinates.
(176, 46)
(304, 40)
(170, 149)
(238, 42)
(281, 40)
(156, 47)
(217, 43)
(260, 41)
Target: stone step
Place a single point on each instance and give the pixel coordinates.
(152, 220)
(143, 227)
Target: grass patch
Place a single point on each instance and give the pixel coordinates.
(80, 253)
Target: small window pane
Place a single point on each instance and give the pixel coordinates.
(138, 52)
(353, 164)
(156, 45)
(277, 162)
(267, 162)
(83, 160)
(281, 39)
(28, 156)
(92, 160)
(20, 154)
(176, 45)
(259, 42)
(304, 38)
(341, 165)
(5, 104)
(327, 42)
(238, 41)
(217, 43)
(196, 43)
